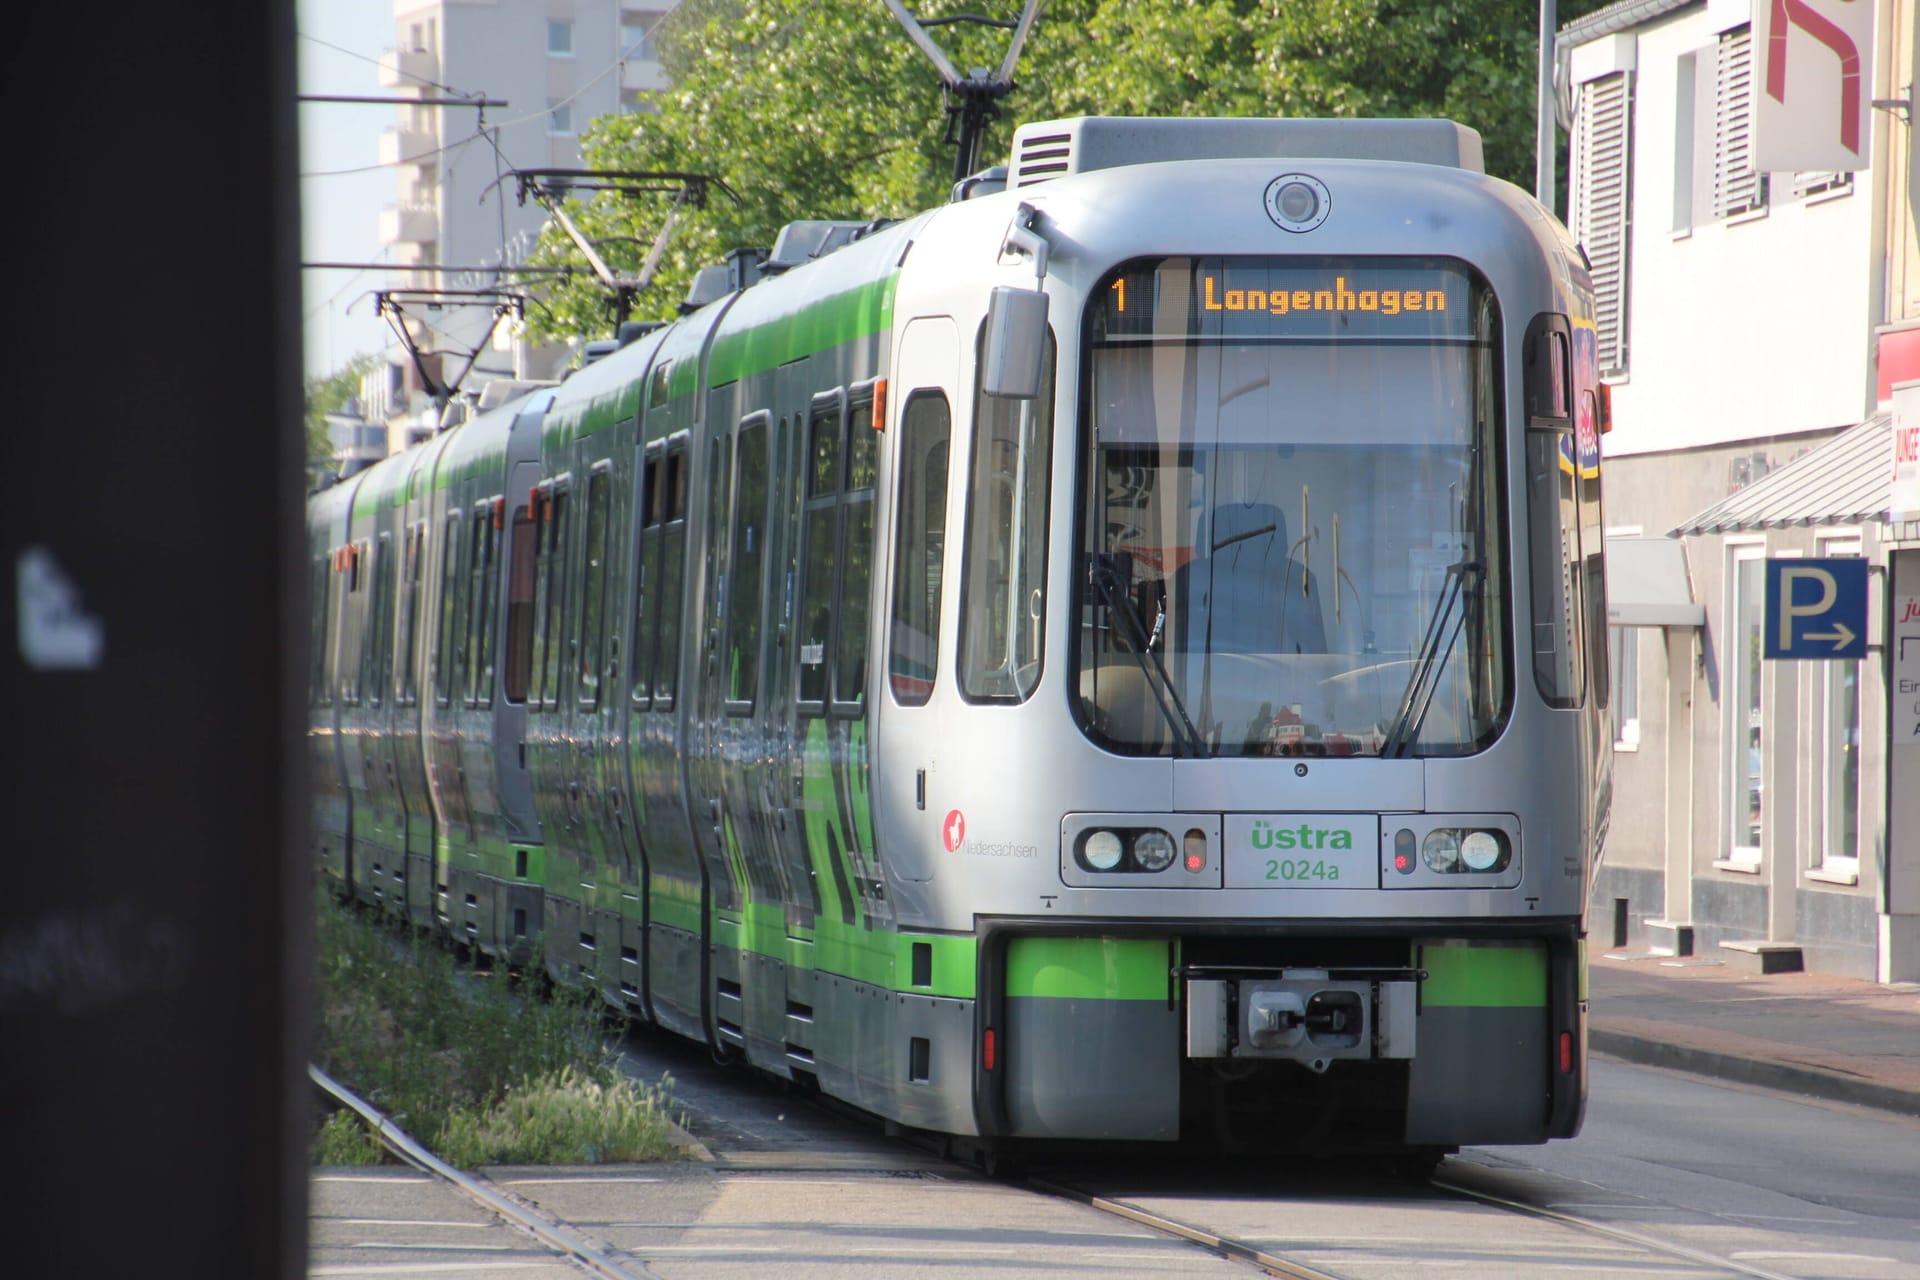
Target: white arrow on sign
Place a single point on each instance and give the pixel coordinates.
(1841, 635)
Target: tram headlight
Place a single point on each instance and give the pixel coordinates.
(1451, 850)
(1153, 850)
(1482, 851)
(1441, 850)
(1101, 850)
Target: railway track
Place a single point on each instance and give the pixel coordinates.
(873, 1203)
(1517, 1239)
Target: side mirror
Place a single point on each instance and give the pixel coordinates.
(1016, 337)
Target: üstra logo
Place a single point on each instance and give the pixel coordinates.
(1300, 837)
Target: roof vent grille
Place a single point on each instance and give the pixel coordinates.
(1041, 157)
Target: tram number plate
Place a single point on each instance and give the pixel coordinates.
(1302, 851)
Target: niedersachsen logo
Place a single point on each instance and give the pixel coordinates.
(1280, 302)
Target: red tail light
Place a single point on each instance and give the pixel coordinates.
(986, 1049)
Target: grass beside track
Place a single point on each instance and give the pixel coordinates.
(477, 1066)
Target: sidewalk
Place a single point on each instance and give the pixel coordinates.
(1835, 1038)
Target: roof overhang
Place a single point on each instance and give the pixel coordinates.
(1843, 480)
(1648, 586)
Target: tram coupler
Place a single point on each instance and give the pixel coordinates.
(1301, 1015)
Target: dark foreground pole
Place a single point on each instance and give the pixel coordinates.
(153, 904)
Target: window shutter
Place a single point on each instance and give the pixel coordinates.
(1736, 187)
(1601, 140)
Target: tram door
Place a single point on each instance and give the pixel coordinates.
(911, 803)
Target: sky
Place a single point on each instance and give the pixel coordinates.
(342, 184)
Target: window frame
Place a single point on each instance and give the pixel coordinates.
(739, 610)
(850, 643)
(972, 675)
(1827, 864)
(1736, 856)
(815, 503)
(915, 519)
(590, 669)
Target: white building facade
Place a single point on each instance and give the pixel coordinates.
(556, 65)
(1753, 327)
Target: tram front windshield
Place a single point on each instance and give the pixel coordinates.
(1292, 486)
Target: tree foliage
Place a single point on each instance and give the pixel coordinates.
(330, 393)
(816, 109)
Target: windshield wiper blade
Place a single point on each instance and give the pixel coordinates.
(1446, 621)
(1110, 573)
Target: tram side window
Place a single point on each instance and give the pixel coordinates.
(1003, 577)
(521, 572)
(354, 645)
(1593, 547)
(913, 656)
(673, 556)
(592, 628)
(380, 659)
(317, 579)
(409, 616)
(820, 522)
(443, 650)
(554, 582)
(1553, 514)
(746, 560)
(646, 538)
(472, 622)
(457, 632)
(489, 611)
(715, 574)
(856, 554)
(365, 663)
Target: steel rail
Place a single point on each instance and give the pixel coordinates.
(1650, 1243)
(398, 1141)
(1225, 1247)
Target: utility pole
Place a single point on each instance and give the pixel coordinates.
(1543, 108)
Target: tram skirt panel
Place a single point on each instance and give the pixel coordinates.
(1093, 1044)
(1480, 1074)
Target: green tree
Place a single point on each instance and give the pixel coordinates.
(809, 109)
(328, 394)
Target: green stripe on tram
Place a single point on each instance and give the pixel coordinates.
(857, 313)
(1089, 968)
(1462, 975)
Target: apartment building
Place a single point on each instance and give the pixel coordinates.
(556, 65)
(1755, 326)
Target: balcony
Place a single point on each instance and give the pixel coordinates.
(409, 224)
(409, 69)
(406, 146)
(637, 76)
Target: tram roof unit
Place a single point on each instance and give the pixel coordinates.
(1049, 149)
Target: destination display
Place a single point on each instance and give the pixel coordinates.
(1286, 298)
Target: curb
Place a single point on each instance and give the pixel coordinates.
(1833, 1086)
(686, 1146)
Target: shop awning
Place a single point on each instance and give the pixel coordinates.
(1648, 586)
(1842, 480)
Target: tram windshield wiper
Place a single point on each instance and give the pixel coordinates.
(1110, 573)
(1443, 629)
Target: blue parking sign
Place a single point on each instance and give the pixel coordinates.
(1816, 609)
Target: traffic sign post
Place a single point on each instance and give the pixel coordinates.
(1816, 609)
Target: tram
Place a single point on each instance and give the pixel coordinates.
(1119, 656)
